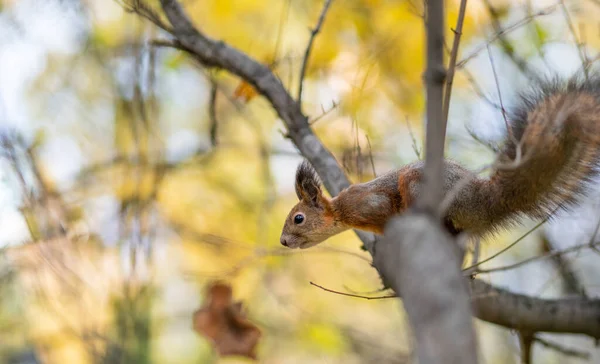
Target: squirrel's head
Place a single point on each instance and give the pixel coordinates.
(311, 221)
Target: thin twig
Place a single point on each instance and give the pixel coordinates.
(584, 61)
(518, 150)
(212, 114)
(415, 146)
(507, 47)
(324, 113)
(313, 35)
(571, 282)
(475, 256)
(561, 349)
(284, 16)
(165, 43)
(145, 11)
(509, 246)
(453, 57)
(353, 295)
(510, 28)
(486, 143)
(540, 257)
(477, 89)
(502, 108)
(371, 155)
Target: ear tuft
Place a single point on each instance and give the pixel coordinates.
(307, 182)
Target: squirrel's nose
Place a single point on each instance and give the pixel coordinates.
(283, 241)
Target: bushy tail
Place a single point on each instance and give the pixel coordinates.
(552, 151)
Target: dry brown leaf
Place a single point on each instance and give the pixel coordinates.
(224, 323)
(245, 91)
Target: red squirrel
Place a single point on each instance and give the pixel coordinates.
(550, 155)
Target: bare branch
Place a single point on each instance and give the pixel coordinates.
(324, 113)
(526, 343)
(500, 33)
(475, 256)
(585, 62)
(508, 247)
(507, 48)
(218, 54)
(415, 146)
(351, 294)
(478, 90)
(212, 114)
(502, 108)
(371, 156)
(145, 11)
(435, 76)
(422, 262)
(561, 349)
(571, 282)
(415, 244)
(453, 56)
(521, 312)
(313, 35)
(552, 254)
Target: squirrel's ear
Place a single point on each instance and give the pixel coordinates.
(308, 184)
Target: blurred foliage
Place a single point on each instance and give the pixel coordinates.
(128, 191)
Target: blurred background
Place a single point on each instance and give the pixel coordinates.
(131, 177)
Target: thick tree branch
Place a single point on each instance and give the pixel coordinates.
(419, 259)
(496, 305)
(525, 313)
(435, 78)
(423, 263)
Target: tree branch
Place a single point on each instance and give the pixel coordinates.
(526, 344)
(435, 77)
(506, 46)
(218, 54)
(571, 282)
(212, 114)
(422, 264)
(552, 254)
(501, 32)
(561, 349)
(351, 294)
(489, 303)
(313, 35)
(453, 57)
(416, 257)
(525, 313)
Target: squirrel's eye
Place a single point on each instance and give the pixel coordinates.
(299, 219)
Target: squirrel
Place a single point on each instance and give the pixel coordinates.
(549, 157)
